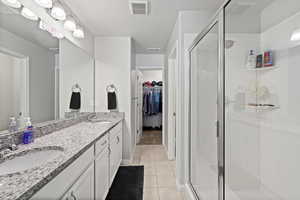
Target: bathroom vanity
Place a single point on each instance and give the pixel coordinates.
(82, 157)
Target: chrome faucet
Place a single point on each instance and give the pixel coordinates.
(8, 146)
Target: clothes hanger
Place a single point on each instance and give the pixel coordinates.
(76, 88)
(111, 88)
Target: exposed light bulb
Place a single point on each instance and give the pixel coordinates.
(70, 24)
(58, 35)
(12, 3)
(44, 3)
(28, 14)
(43, 26)
(78, 33)
(58, 12)
(296, 35)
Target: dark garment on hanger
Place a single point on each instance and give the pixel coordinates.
(112, 100)
(75, 102)
(160, 101)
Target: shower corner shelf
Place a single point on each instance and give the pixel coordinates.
(262, 107)
(261, 68)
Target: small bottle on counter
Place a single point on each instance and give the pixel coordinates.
(12, 125)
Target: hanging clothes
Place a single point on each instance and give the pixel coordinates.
(152, 100)
(152, 104)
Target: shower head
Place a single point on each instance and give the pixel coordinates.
(229, 44)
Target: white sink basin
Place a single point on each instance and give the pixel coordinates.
(94, 119)
(29, 159)
(104, 122)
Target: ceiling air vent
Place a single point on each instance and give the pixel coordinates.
(139, 7)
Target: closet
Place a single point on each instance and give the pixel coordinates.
(152, 105)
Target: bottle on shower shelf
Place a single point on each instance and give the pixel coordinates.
(251, 60)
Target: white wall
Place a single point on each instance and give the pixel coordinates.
(41, 74)
(150, 60)
(76, 66)
(152, 75)
(113, 66)
(187, 22)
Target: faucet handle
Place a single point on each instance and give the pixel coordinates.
(12, 143)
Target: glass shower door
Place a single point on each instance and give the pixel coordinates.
(203, 139)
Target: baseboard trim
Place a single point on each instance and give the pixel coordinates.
(126, 162)
(188, 193)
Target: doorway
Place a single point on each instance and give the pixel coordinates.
(172, 105)
(152, 107)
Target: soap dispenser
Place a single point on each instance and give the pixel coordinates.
(28, 133)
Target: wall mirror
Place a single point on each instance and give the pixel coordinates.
(76, 80)
(28, 59)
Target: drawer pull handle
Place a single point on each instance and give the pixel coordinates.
(118, 140)
(104, 143)
(73, 196)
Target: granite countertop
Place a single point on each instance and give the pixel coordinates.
(74, 140)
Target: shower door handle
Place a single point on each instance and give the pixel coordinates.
(217, 126)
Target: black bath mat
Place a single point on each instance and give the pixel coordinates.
(128, 184)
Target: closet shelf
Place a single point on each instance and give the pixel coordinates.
(262, 107)
(261, 68)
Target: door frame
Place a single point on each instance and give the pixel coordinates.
(25, 62)
(218, 20)
(172, 101)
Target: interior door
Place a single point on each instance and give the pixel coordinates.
(204, 98)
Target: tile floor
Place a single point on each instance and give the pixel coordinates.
(151, 137)
(159, 174)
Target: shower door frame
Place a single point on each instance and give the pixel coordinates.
(219, 20)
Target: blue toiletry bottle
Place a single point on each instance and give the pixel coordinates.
(28, 133)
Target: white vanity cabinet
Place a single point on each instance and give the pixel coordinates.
(115, 154)
(102, 168)
(102, 175)
(90, 176)
(84, 187)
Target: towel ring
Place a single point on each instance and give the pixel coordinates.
(76, 88)
(111, 88)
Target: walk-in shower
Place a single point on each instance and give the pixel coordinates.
(244, 106)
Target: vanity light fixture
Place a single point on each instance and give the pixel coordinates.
(44, 3)
(43, 26)
(70, 24)
(58, 12)
(78, 33)
(296, 35)
(12, 3)
(58, 35)
(28, 14)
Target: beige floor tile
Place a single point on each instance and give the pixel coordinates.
(163, 164)
(169, 194)
(166, 181)
(151, 194)
(149, 170)
(160, 156)
(150, 181)
(163, 168)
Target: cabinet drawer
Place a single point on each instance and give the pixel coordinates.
(66, 178)
(117, 129)
(101, 144)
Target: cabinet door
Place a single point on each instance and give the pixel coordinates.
(115, 155)
(83, 189)
(102, 175)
